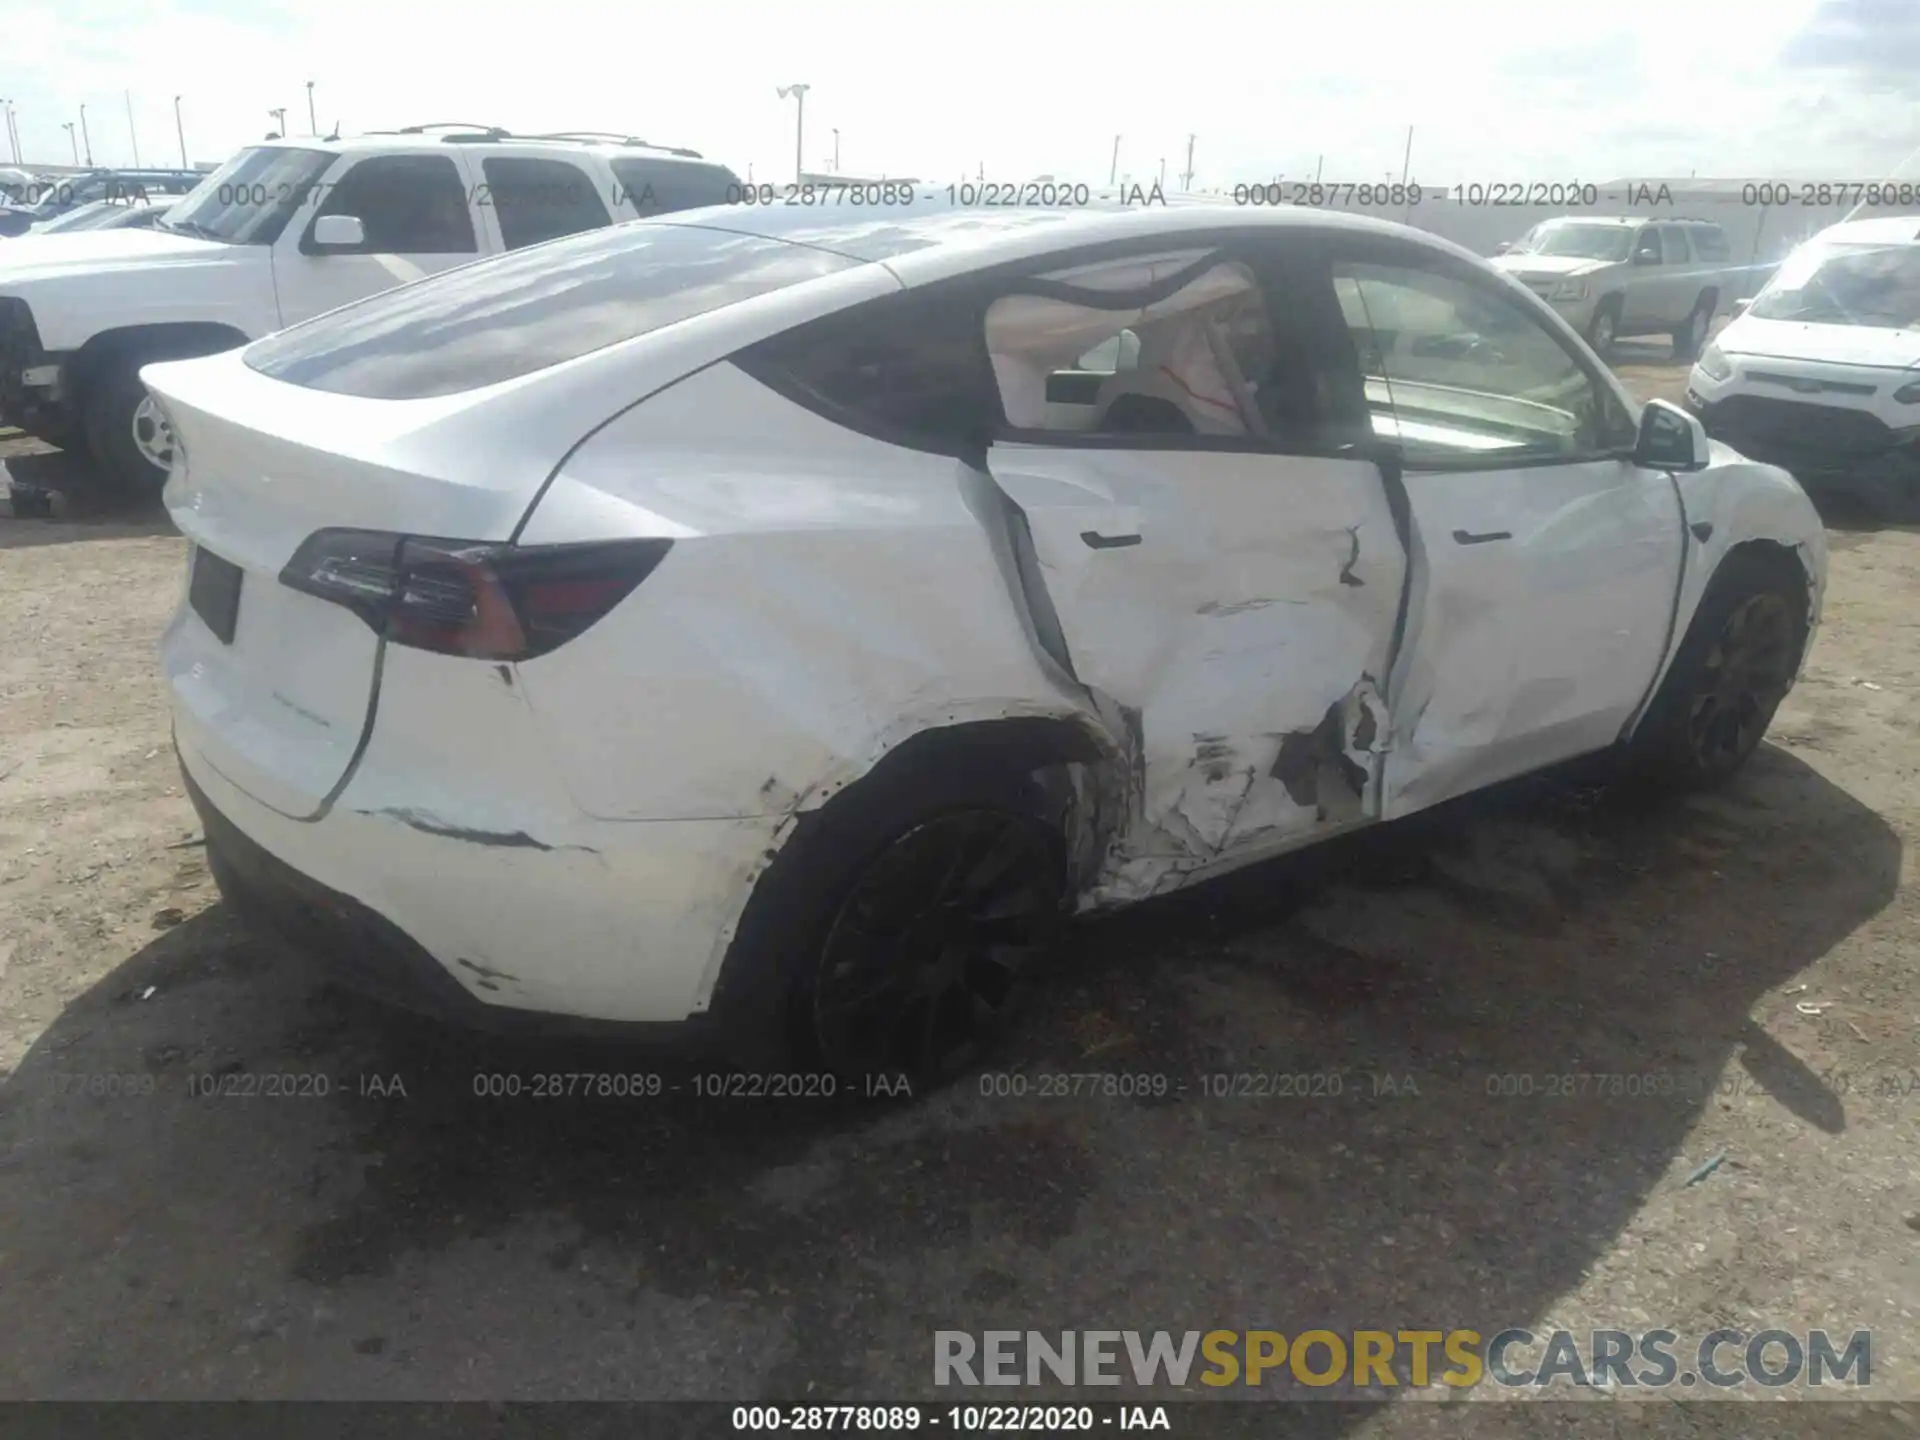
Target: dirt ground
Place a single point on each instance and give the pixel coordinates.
(1756, 948)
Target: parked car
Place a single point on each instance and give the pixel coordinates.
(108, 215)
(1627, 275)
(278, 234)
(17, 186)
(763, 623)
(55, 196)
(1820, 374)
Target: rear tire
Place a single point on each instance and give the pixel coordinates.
(901, 925)
(1739, 659)
(1691, 338)
(121, 434)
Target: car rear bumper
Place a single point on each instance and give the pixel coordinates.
(620, 939)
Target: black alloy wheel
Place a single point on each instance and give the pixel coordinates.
(931, 948)
(1744, 675)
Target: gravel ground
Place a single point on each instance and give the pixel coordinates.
(1754, 948)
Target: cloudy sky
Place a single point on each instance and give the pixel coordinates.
(1494, 89)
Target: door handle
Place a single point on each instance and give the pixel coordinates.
(1467, 537)
(1108, 542)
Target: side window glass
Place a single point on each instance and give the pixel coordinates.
(407, 204)
(1196, 362)
(1673, 242)
(1710, 243)
(1646, 242)
(1460, 375)
(538, 200)
(909, 368)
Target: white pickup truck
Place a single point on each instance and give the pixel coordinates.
(280, 233)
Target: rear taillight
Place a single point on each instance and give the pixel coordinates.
(460, 597)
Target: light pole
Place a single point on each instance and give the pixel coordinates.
(133, 135)
(1113, 172)
(180, 130)
(799, 93)
(13, 130)
(836, 150)
(67, 125)
(86, 139)
(1187, 184)
(313, 125)
(279, 121)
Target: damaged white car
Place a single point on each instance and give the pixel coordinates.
(773, 623)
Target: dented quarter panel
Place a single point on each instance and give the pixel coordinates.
(827, 594)
(1258, 598)
(1524, 650)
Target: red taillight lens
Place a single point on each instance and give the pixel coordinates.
(459, 597)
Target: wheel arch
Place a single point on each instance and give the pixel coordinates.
(1791, 560)
(1087, 769)
(1087, 781)
(173, 340)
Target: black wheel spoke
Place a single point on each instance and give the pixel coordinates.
(1742, 679)
(1004, 851)
(932, 942)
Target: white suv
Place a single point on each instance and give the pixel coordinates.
(280, 233)
(776, 620)
(1821, 372)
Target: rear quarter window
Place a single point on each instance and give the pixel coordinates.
(911, 369)
(531, 309)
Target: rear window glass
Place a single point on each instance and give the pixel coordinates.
(656, 187)
(502, 318)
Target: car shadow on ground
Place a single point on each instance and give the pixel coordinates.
(1438, 987)
(50, 500)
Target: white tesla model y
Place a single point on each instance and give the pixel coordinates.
(774, 622)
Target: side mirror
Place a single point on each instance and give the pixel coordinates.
(1670, 439)
(345, 231)
(1502, 248)
(1740, 307)
(1646, 257)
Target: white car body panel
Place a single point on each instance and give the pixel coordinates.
(1530, 649)
(1846, 345)
(786, 520)
(628, 921)
(579, 833)
(1226, 636)
(1826, 364)
(310, 285)
(1738, 501)
(132, 278)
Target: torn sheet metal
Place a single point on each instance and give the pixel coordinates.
(1252, 618)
